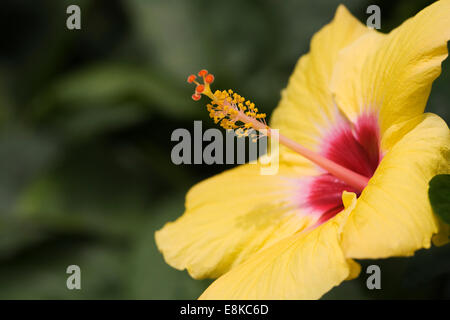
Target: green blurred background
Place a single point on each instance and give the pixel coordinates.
(85, 124)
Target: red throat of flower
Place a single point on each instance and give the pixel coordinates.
(233, 111)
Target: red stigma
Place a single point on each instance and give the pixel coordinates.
(196, 97)
(209, 78)
(191, 78)
(200, 88)
(202, 73)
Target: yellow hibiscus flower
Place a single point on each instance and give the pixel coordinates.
(357, 155)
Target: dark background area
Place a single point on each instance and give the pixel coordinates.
(85, 123)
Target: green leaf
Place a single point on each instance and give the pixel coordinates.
(23, 154)
(439, 194)
(42, 274)
(98, 120)
(85, 193)
(150, 277)
(115, 84)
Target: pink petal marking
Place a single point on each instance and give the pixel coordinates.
(354, 146)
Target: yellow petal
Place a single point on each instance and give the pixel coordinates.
(392, 74)
(303, 266)
(230, 217)
(307, 107)
(393, 216)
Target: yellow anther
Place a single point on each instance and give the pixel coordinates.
(228, 108)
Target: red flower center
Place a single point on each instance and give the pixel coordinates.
(354, 146)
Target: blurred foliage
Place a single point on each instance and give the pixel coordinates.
(85, 124)
(439, 195)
